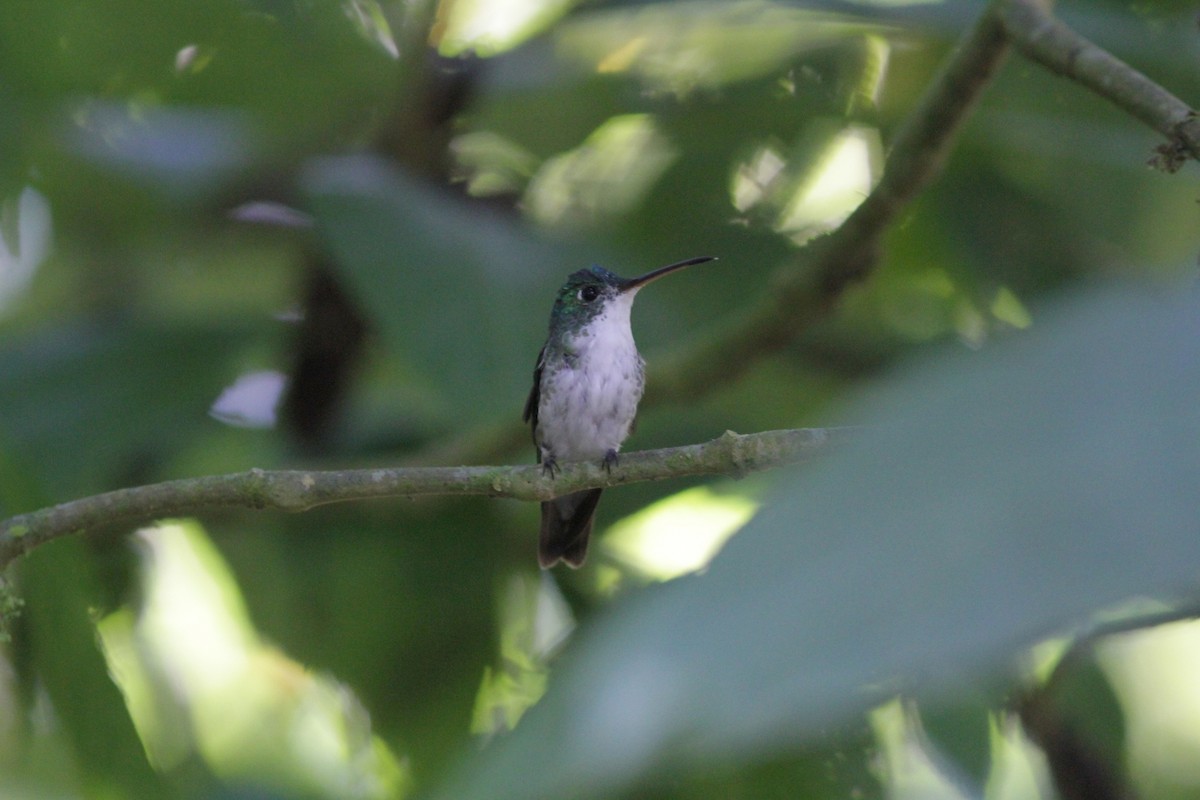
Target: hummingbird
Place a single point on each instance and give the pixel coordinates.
(586, 387)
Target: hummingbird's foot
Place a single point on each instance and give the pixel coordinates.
(610, 461)
(550, 467)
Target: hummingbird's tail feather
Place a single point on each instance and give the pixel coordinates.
(566, 526)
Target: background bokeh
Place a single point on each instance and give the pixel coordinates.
(322, 234)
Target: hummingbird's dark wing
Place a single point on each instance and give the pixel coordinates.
(535, 393)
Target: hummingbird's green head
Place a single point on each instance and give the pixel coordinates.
(585, 295)
(589, 291)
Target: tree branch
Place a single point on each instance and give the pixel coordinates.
(805, 290)
(300, 490)
(1042, 38)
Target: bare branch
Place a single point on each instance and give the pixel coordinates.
(299, 490)
(1042, 38)
(804, 292)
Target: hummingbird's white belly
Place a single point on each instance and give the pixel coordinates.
(589, 397)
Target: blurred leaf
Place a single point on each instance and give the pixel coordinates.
(462, 293)
(906, 764)
(254, 57)
(58, 583)
(844, 767)
(397, 603)
(1078, 723)
(1085, 701)
(679, 47)
(1145, 705)
(606, 176)
(989, 501)
(84, 402)
(253, 714)
(962, 733)
(181, 152)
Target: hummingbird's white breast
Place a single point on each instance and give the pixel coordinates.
(589, 395)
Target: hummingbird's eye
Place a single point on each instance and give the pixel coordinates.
(588, 293)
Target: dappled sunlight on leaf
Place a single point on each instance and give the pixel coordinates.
(906, 766)
(970, 323)
(192, 59)
(534, 622)
(679, 534)
(492, 164)
(1018, 768)
(927, 303)
(753, 180)
(489, 27)
(874, 55)
(812, 188)
(197, 678)
(605, 177)
(836, 182)
(1154, 675)
(681, 47)
(913, 764)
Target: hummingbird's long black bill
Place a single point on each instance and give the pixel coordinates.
(636, 283)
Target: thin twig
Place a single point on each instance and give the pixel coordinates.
(1044, 39)
(299, 490)
(804, 291)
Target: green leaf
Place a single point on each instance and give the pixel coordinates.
(991, 498)
(961, 732)
(463, 294)
(82, 403)
(1084, 706)
(398, 605)
(58, 582)
(684, 46)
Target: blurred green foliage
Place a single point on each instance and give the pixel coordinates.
(174, 174)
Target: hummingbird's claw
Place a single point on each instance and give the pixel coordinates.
(550, 467)
(610, 461)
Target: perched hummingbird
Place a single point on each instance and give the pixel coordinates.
(586, 387)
